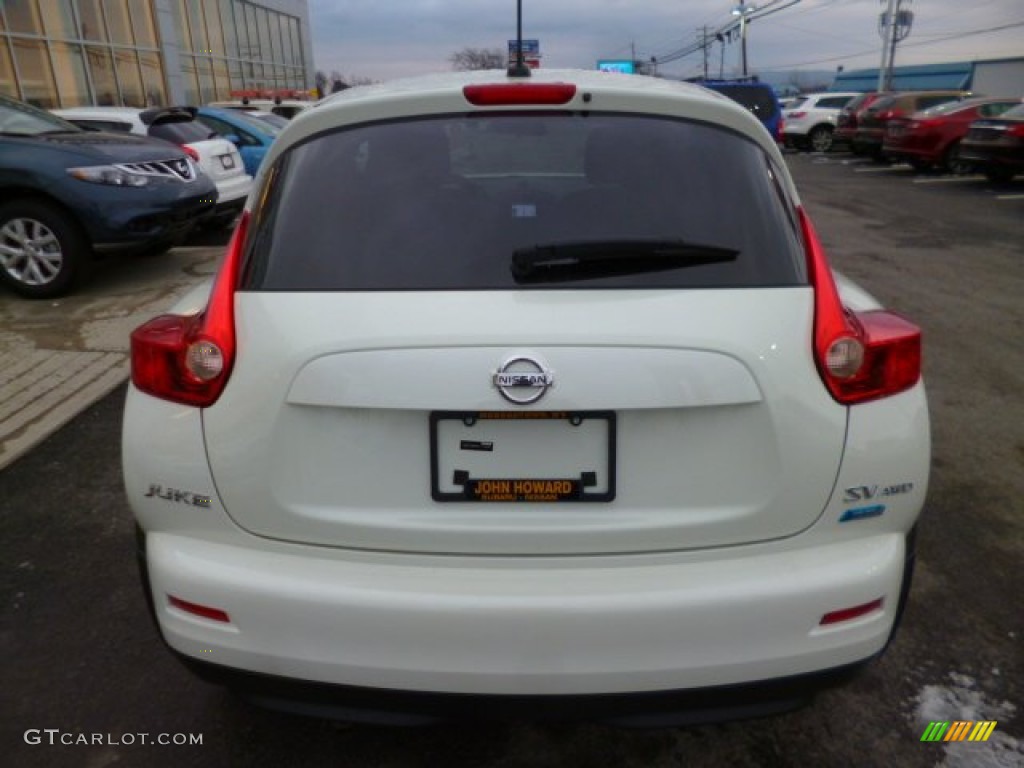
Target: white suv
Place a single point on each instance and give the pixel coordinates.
(811, 119)
(217, 157)
(517, 396)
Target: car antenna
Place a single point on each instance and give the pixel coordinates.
(518, 68)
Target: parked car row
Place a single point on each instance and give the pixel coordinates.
(79, 182)
(946, 130)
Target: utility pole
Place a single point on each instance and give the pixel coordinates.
(894, 25)
(704, 49)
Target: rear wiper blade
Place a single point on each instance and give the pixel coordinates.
(555, 262)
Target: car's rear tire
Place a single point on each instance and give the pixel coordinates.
(952, 162)
(43, 251)
(820, 138)
(919, 165)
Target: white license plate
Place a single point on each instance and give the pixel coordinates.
(227, 161)
(522, 456)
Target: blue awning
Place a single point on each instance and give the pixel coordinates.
(955, 76)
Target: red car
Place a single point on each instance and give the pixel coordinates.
(872, 122)
(846, 120)
(931, 138)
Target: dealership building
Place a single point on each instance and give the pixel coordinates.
(65, 53)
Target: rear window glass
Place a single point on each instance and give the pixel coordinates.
(451, 203)
(183, 132)
(834, 102)
(759, 100)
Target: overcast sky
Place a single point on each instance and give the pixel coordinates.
(384, 39)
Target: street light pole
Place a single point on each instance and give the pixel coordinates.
(742, 10)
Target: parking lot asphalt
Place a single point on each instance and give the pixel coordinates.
(58, 357)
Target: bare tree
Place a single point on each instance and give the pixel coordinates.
(477, 58)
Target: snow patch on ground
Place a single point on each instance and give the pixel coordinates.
(962, 700)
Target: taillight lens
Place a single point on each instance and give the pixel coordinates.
(1017, 131)
(187, 358)
(779, 136)
(512, 94)
(796, 115)
(861, 356)
(190, 151)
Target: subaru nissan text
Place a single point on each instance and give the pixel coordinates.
(526, 397)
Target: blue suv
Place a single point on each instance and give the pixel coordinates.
(66, 192)
(760, 98)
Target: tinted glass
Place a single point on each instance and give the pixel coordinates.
(834, 102)
(1016, 112)
(442, 204)
(19, 118)
(760, 101)
(180, 132)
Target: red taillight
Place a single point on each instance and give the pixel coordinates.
(190, 152)
(778, 129)
(205, 611)
(848, 614)
(1016, 131)
(796, 115)
(864, 355)
(513, 94)
(187, 358)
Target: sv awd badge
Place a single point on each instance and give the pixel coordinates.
(522, 380)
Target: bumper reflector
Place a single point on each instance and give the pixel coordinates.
(848, 614)
(206, 612)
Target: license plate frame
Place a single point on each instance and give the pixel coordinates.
(227, 162)
(581, 485)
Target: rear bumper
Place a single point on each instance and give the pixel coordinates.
(508, 628)
(233, 191)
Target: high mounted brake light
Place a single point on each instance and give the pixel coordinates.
(187, 358)
(860, 356)
(516, 94)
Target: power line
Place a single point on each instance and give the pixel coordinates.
(954, 36)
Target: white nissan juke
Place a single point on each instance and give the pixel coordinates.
(526, 397)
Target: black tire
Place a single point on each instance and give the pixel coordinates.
(953, 164)
(919, 165)
(820, 138)
(43, 251)
(998, 175)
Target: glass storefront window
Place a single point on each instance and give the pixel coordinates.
(200, 43)
(221, 80)
(297, 44)
(235, 76)
(267, 53)
(142, 23)
(253, 51)
(189, 81)
(204, 70)
(287, 55)
(230, 29)
(59, 19)
(127, 63)
(7, 84)
(179, 12)
(23, 16)
(213, 28)
(153, 78)
(118, 22)
(36, 76)
(91, 17)
(69, 65)
(101, 67)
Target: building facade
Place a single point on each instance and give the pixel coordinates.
(137, 53)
